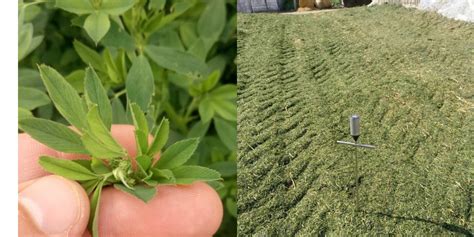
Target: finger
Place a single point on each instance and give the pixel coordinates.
(52, 206)
(29, 151)
(184, 211)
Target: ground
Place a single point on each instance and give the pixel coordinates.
(407, 73)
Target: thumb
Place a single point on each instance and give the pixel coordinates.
(52, 206)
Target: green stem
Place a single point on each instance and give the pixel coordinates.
(175, 118)
(118, 94)
(192, 106)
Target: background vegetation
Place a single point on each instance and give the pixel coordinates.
(407, 73)
(190, 46)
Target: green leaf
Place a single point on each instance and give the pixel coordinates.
(140, 84)
(76, 79)
(64, 96)
(25, 37)
(54, 135)
(66, 168)
(97, 95)
(227, 132)
(212, 22)
(118, 38)
(140, 191)
(30, 78)
(206, 110)
(94, 210)
(90, 185)
(225, 92)
(225, 168)
(177, 10)
(119, 116)
(150, 182)
(156, 4)
(85, 163)
(141, 128)
(24, 114)
(199, 129)
(35, 42)
(189, 174)
(112, 70)
(97, 25)
(75, 6)
(225, 109)
(98, 140)
(216, 185)
(231, 206)
(163, 176)
(99, 167)
(31, 98)
(116, 7)
(218, 62)
(177, 154)
(89, 56)
(187, 33)
(176, 60)
(144, 161)
(211, 81)
(170, 39)
(159, 138)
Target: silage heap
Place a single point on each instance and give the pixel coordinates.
(407, 73)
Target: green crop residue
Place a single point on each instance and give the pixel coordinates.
(407, 73)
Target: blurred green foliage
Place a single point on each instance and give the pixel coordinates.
(190, 46)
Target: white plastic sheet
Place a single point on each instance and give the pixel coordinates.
(457, 9)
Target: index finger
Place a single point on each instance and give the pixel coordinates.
(29, 151)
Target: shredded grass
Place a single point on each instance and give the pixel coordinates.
(409, 75)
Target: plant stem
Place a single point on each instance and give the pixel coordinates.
(192, 106)
(356, 184)
(118, 94)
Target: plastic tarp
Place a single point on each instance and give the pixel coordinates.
(457, 9)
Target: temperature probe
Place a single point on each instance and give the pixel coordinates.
(354, 124)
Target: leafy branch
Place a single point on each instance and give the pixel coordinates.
(110, 163)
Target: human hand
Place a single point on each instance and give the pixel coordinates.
(50, 205)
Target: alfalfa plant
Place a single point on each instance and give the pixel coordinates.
(110, 163)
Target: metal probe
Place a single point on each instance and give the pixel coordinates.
(354, 124)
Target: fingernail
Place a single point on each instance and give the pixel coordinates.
(51, 203)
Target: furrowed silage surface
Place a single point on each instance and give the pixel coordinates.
(407, 73)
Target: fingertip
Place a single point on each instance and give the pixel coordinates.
(211, 203)
(188, 211)
(124, 134)
(52, 206)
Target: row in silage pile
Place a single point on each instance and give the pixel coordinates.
(409, 74)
